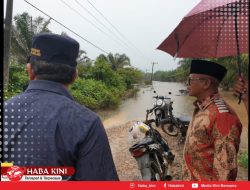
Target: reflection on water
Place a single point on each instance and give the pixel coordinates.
(135, 108)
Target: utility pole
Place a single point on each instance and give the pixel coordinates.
(7, 34)
(153, 70)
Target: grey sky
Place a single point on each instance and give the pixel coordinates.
(145, 23)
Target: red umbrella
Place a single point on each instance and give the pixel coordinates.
(212, 29)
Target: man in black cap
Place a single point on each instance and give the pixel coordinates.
(213, 136)
(44, 126)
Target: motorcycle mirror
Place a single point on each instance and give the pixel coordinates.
(170, 93)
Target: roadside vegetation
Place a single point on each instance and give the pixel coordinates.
(181, 73)
(102, 83)
(243, 160)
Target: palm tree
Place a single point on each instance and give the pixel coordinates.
(116, 61)
(83, 59)
(23, 30)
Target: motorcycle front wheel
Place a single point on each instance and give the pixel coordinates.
(170, 129)
(155, 172)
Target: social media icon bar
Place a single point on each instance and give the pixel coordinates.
(165, 185)
(132, 185)
(195, 185)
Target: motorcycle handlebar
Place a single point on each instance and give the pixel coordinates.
(161, 97)
(150, 110)
(164, 121)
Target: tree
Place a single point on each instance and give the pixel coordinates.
(84, 64)
(116, 61)
(182, 71)
(232, 69)
(23, 30)
(83, 59)
(178, 75)
(130, 76)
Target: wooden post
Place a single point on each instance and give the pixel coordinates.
(7, 37)
(153, 71)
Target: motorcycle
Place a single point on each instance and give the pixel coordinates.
(152, 153)
(161, 108)
(163, 111)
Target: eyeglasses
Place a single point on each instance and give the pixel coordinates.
(191, 79)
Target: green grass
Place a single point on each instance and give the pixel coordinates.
(243, 160)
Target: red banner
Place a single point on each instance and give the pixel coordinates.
(135, 185)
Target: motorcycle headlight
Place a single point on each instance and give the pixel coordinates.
(159, 102)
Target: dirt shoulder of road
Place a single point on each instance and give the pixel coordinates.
(126, 165)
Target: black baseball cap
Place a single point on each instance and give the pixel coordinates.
(54, 48)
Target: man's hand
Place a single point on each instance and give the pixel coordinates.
(241, 87)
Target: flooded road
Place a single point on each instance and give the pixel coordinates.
(117, 123)
(135, 108)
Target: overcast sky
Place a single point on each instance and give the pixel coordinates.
(144, 24)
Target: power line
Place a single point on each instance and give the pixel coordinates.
(67, 28)
(90, 22)
(117, 29)
(100, 22)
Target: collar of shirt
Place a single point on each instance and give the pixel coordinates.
(202, 105)
(49, 86)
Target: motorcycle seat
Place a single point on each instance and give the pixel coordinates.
(145, 141)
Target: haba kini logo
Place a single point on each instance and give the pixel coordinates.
(33, 173)
(15, 173)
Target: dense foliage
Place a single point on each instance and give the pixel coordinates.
(97, 86)
(101, 83)
(18, 80)
(24, 28)
(181, 73)
(243, 160)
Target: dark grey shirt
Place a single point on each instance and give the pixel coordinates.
(44, 126)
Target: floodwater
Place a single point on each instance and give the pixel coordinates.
(135, 108)
(132, 109)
